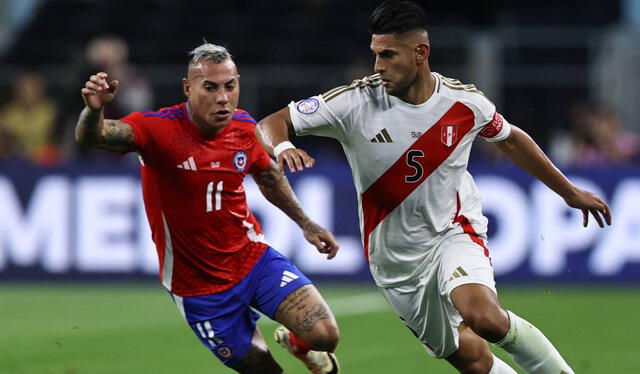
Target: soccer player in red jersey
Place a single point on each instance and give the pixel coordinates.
(213, 258)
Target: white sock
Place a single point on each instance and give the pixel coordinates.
(530, 349)
(501, 367)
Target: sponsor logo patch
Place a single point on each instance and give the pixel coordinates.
(308, 106)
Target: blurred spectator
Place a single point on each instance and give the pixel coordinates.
(610, 144)
(567, 145)
(111, 55)
(595, 139)
(27, 121)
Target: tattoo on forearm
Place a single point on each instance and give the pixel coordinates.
(276, 189)
(87, 127)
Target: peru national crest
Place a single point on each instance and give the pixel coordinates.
(449, 134)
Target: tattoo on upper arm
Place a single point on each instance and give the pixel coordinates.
(118, 132)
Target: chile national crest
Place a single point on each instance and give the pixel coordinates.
(240, 160)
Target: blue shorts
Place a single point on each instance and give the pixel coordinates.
(225, 321)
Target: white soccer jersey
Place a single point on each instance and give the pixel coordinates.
(409, 165)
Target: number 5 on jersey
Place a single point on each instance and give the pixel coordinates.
(210, 196)
(415, 164)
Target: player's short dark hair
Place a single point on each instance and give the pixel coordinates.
(397, 17)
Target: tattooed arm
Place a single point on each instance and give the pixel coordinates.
(93, 129)
(275, 187)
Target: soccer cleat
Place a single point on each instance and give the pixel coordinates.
(318, 362)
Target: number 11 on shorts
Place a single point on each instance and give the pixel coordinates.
(210, 196)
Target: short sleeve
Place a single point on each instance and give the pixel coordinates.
(496, 130)
(141, 138)
(314, 116)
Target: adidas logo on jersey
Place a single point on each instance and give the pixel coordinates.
(459, 272)
(287, 277)
(190, 164)
(382, 137)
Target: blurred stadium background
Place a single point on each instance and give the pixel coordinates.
(78, 290)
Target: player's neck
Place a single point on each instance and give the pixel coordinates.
(421, 90)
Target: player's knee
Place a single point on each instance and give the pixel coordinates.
(491, 323)
(325, 336)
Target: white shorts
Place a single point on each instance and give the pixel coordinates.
(425, 305)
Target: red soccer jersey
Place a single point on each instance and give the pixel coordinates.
(206, 237)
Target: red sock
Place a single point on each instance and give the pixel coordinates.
(299, 346)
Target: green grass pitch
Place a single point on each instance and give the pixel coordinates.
(136, 329)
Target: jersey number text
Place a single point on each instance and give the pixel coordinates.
(411, 161)
(210, 197)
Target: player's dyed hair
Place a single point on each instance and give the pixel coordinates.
(397, 17)
(209, 52)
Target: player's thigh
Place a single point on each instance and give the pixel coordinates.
(463, 261)
(258, 359)
(307, 314)
(286, 295)
(223, 322)
(276, 279)
(425, 312)
(466, 278)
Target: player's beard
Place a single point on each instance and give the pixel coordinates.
(206, 124)
(401, 89)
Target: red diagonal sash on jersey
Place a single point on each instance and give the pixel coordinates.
(388, 191)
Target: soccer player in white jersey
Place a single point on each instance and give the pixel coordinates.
(407, 133)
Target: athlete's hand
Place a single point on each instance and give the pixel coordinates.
(322, 239)
(296, 159)
(589, 203)
(97, 92)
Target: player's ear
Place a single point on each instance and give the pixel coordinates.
(185, 86)
(422, 53)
